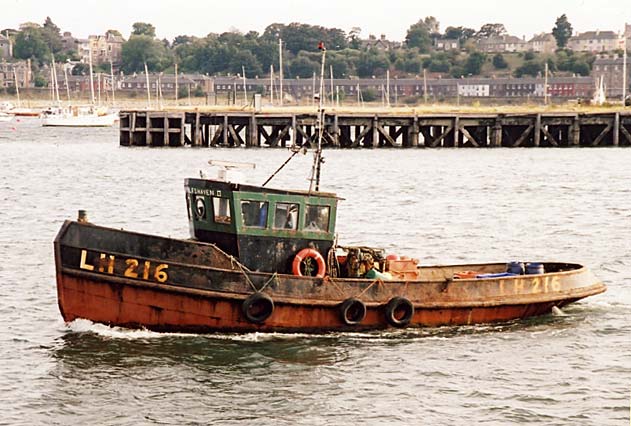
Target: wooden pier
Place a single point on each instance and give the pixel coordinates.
(374, 130)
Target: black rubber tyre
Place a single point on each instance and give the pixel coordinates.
(352, 311)
(399, 312)
(257, 308)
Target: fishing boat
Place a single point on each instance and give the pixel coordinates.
(265, 259)
(260, 259)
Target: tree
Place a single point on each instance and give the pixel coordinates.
(372, 63)
(419, 36)
(489, 30)
(52, 35)
(142, 28)
(30, 44)
(80, 69)
(499, 62)
(113, 33)
(474, 63)
(532, 68)
(354, 41)
(562, 31)
(461, 34)
(303, 67)
(141, 49)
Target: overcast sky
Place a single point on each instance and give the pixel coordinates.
(392, 18)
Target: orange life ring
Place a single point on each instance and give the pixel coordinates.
(308, 252)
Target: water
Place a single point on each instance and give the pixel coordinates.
(442, 206)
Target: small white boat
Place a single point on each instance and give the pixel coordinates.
(5, 118)
(79, 116)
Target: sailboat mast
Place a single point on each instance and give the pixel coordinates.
(17, 86)
(176, 88)
(624, 71)
(113, 84)
(91, 77)
(148, 88)
(55, 81)
(280, 60)
(66, 80)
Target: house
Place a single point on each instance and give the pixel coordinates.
(6, 47)
(167, 82)
(446, 44)
(596, 41)
(501, 44)
(380, 44)
(68, 42)
(105, 49)
(9, 71)
(543, 43)
(610, 68)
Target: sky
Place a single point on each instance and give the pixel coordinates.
(391, 18)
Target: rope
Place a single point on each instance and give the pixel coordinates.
(247, 277)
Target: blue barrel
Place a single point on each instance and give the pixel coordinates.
(534, 268)
(516, 268)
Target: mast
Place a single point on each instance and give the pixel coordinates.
(245, 89)
(98, 82)
(148, 88)
(425, 84)
(91, 77)
(271, 84)
(280, 60)
(388, 88)
(66, 80)
(176, 89)
(332, 94)
(113, 84)
(624, 71)
(17, 86)
(317, 158)
(55, 82)
(545, 86)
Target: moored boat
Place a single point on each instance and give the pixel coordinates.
(79, 116)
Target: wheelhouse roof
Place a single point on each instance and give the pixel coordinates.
(238, 187)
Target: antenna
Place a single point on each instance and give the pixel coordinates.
(317, 157)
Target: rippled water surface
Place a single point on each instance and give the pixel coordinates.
(442, 206)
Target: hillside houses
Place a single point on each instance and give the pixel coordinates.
(610, 68)
(596, 41)
(543, 43)
(501, 44)
(12, 71)
(6, 47)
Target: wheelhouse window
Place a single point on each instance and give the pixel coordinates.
(254, 213)
(221, 209)
(317, 218)
(286, 216)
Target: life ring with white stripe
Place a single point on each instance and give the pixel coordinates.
(305, 254)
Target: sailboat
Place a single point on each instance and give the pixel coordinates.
(21, 111)
(79, 115)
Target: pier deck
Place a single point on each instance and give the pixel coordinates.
(371, 129)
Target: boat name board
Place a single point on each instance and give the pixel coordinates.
(133, 268)
(205, 191)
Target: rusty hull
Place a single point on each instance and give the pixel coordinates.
(187, 286)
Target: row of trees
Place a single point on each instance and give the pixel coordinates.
(231, 52)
